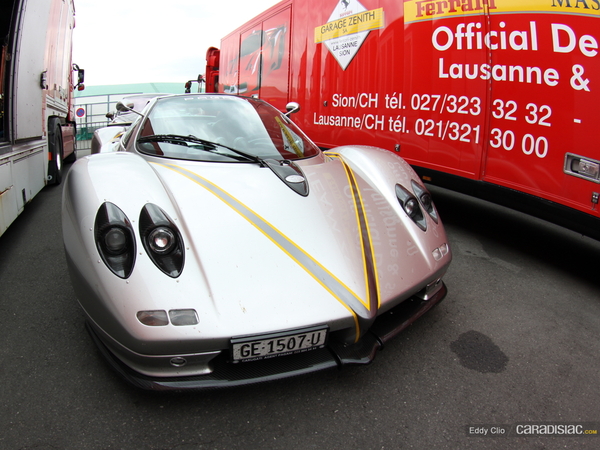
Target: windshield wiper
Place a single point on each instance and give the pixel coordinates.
(209, 145)
(286, 170)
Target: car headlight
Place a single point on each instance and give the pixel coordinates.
(159, 318)
(153, 318)
(425, 199)
(411, 206)
(162, 240)
(115, 239)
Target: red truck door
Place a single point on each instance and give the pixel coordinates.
(256, 61)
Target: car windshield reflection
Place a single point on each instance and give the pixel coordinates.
(220, 128)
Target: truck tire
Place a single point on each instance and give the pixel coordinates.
(55, 149)
(71, 158)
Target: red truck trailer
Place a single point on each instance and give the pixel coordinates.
(37, 127)
(499, 99)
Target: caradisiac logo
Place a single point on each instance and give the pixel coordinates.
(347, 28)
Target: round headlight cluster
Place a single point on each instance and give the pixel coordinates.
(426, 201)
(411, 207)
(412, 202)
(161, 240)
(115, 239)
(160, 237)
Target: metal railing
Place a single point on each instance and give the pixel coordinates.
(93, 116)
(85, 132)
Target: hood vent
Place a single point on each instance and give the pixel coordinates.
(290, 174)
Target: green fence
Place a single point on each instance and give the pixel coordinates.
(85, 132)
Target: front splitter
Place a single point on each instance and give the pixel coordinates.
(334, 355)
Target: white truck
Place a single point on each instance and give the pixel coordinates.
(37, 78)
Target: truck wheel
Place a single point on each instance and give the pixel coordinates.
(55, 148)
(71, 158)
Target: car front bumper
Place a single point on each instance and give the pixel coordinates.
(334, 354)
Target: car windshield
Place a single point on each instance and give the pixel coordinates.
(220, 128)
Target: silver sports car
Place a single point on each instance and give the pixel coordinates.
(217, 246)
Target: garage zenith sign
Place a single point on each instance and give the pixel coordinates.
(347, 28)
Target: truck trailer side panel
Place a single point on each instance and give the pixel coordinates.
(495, 98)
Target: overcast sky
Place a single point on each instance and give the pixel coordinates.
(140, 41)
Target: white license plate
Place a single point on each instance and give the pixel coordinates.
(280, 344)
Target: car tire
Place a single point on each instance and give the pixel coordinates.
(55, 149)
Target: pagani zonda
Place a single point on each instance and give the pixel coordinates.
(217, 245)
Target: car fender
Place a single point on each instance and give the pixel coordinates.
(403, 251)
(105, 140)
(129, 182)
(383, 170)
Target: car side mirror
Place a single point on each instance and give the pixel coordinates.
(122, 107)
(291, 108)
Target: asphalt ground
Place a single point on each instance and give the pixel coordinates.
(515, 343)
